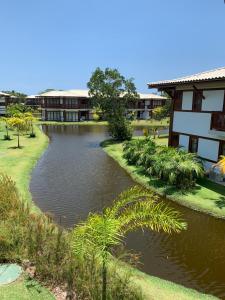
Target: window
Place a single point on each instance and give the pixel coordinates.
(193, 144)
(54, 116)
(71, 102)
(177, 100)
(197, 100)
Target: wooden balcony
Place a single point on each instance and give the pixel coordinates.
(66, 106)
(218, 121)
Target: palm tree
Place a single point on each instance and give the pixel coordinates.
(136, 208)
(29, 120)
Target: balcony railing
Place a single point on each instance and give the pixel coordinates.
(66, 106)
(218, 121)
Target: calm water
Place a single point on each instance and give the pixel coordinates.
(75, 176)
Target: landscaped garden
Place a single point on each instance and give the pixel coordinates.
(203, 195)
(30, 236)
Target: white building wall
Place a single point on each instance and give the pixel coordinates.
(213, 100)
(187, 100)
(192, 123)
(184, 141)
(208, 149)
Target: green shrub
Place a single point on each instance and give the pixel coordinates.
(120, 128)
(7, 137)
(96, 117)
(174, 166)
(34, 237)
(32, 135)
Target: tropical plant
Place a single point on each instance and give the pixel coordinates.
(16, 109)
(177, 167)
(134, 209)
(221, 164)
(7, 125)
(112, 93)
(162, 112)
(30, 120)
(19, 124)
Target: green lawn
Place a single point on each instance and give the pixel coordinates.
(154, 288)
(207, 197)
(24, 290)
(136, 123)
(18, 163)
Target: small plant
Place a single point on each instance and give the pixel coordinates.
(32, 135)
(7, 137)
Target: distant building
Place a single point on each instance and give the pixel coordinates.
(5, 100)
(146, 103)
(75, 105)
(33, 101)
(198, 117)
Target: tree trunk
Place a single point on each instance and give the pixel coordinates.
(104, 279)
(18, 145)
(7, 131)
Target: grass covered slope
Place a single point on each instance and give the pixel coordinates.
(142, 123)
(155, 288)
(23, 290)
(207, 197)
(18, 163)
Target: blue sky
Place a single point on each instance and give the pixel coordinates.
(59, 43)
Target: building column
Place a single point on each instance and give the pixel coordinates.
(61, 115)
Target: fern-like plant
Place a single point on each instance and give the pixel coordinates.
(136, 208)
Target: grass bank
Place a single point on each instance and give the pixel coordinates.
(154, 288)
(18, 163)
(207, 196)
(137, 123)
(23, 289)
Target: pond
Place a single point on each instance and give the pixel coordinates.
(75, 177)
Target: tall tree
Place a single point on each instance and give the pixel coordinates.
(112, 92)
(134, 209)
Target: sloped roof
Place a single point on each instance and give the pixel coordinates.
(84, 93)
(152, 96)
(4, 94)
(69, 93)
(212, 75)
(32, 97)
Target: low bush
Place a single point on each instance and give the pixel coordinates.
(174, 166)
(7, 137)
(32, 135)
(33, 239)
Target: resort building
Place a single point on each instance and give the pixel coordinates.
(5, 99)
(143, 108)
(33, 101)
(198, 116)
(75, 105)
